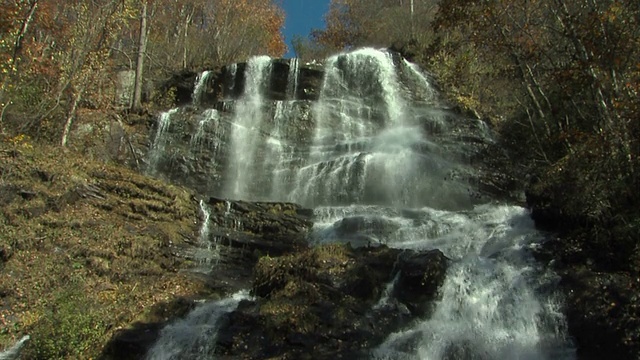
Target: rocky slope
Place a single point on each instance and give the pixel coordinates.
(85, 249)
(97, 259)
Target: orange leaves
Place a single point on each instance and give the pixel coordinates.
(261, 21)
(199, 33)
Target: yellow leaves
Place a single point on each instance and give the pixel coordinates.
(21, 140)
(612, 13)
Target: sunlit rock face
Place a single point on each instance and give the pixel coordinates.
(364, 127)
(405, 236)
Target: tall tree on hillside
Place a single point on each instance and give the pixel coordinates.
(68, 51)
(575, 64)
(199, 33)
(354, 23)
(14, 24)
(142, 47)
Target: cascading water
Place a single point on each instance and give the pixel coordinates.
(207, 117)
(206, 252)
(379, 148)
(196, 97)
(160, 139)
(247, 122)
(292, 79)
(193, 338)
(493, 303)
(369, 144)
(426, 92)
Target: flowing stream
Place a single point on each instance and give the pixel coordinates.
(382, 148)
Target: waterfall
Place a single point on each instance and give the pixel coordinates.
(160, 140)
(280, 153)
(193, 338)
(378, 148)
(246, 131)
(426, 91)
(201, 80)
(207, 117)
(206, 251)
(368, 146)
(233, 71)
(493, 305)
(292, 78)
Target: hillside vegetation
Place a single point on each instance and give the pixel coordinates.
(85, 249)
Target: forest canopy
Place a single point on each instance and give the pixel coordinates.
(58, 55)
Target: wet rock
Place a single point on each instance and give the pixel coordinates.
(368, 230)
(269, 228)
(602, 308)
(323, 302)
(421, 274)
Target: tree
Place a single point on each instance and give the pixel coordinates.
(142, 46)
(222, 31)
(67, 52)
(573, 71)
(355, 23)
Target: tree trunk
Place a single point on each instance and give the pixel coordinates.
(185, 44)
(142, 47)
(23, 30)
(70, 117)
(16, 49)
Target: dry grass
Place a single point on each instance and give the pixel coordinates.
(85, 248)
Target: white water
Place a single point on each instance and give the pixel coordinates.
(247, 123)
(199, 87)
(193, 338)
(207, 117)
(425, 92)
(233, 70)
(370, 145)
(13, 353)
(207, 251)
(279, 152)
(493, 303)
(292, 78)
(160, 140)
(374, 155)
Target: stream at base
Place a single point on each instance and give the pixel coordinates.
(496, 302)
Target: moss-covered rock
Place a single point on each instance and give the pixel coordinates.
(328, 301)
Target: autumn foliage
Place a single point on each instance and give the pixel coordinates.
(59, 56)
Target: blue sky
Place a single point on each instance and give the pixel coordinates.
(302, 16)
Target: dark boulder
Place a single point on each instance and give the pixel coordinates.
(421, 275)
(364, 230)
(325, 302)
(181, 85)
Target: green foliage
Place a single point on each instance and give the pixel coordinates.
(71, 327)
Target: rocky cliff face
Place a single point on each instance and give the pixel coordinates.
(394, 232)
(205, 146)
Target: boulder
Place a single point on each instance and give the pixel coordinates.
(327, 302)
(421, 275)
